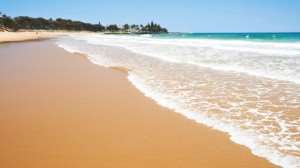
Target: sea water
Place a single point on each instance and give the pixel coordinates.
(244, 84)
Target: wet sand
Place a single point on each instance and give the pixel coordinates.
(58, 110)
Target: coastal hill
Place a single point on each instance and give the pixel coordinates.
(8, 23)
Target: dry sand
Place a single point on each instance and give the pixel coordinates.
(57, 110)
(33, 35)
(25, 36)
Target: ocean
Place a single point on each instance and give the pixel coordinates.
(275, 37)
(244, 84)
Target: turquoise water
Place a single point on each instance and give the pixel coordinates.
(275, 37)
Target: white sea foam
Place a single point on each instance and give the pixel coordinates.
(247, 138)
(272, 60)
(258, 112)
(146, 35)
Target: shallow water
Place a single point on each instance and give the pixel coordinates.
(249, 89)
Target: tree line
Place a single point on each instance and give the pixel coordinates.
(30, 23)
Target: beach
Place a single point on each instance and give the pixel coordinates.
(60, 110)
(246, 87)
(34, 35)
(28, 35)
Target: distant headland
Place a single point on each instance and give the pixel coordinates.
(8, 23)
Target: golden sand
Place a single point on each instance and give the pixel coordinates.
(33, 35)
(58, 110)
(25, 36)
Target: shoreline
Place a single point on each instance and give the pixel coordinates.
(34, 35)
(72, 113)
(249, 101)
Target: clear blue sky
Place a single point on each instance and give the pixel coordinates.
(176, 15)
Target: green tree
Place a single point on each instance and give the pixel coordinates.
(1, 20)
(135, 27)
(8, 22)
(126, 27)
(153, 28)
(112, 28)
(25, 22)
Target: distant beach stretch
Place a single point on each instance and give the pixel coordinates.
(59, 110)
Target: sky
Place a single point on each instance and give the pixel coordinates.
(176, 15)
